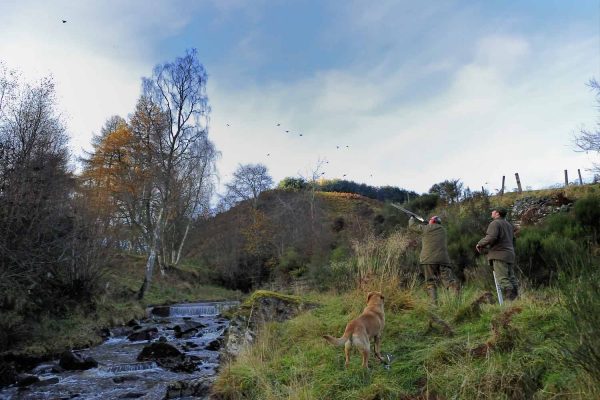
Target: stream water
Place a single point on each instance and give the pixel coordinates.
(119, 375)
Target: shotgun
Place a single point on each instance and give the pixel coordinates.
(412, 214)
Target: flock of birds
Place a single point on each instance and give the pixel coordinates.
(338, 147)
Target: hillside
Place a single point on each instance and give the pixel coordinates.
(288, 233)
(544, 345)
(489, 352)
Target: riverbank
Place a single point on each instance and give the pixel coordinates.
(175, 345)
(79, 327)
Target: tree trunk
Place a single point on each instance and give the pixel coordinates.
(152, 257)
(187, 229)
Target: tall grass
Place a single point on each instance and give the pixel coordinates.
(379, 261)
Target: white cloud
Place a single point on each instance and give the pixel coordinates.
(501, 113)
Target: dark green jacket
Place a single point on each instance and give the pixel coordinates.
(499, 237)
(434, 248)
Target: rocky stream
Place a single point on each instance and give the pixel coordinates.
(174, 353)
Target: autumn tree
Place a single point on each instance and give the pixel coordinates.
(114, 179)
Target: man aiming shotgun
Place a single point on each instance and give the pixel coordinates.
(434, 256)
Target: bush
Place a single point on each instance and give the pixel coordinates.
(587, 214)
(543, 250)
(294, 184)
(424, 204)
(580, 288)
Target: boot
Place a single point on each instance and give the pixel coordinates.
(432, 292)
(509, 294)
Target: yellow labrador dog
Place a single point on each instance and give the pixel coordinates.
(359, 331)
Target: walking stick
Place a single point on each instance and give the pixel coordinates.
(500, 299)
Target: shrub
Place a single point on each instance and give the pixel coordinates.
(424, 204)
(294, 184)
(580, 288)
(587, 214)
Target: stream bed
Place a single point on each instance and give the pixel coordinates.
(196, 330)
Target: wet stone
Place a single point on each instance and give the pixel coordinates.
(24, 380)
(46, 382)
(162, 311)
(146, 334)
(74, 361)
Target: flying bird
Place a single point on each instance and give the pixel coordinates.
(268, 154)
(300, 134)
(227, 124)
(287, 131)
(64, 21)
(278, 124)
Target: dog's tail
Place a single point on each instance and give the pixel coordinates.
(336, 341)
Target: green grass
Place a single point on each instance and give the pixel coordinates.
(291, 361)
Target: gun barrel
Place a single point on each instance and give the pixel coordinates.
(412, 214)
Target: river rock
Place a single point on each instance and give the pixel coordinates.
(162, 311)
(187, 330)
(46, 382)
(73, 361)
(24, 380)
(146, 334)
(158, 350)
(197, 388)
(215, 345)
(167, 356)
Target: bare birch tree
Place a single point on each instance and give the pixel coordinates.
(179, 151)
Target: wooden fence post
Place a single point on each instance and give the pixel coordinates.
(518, 183)
(566, 178)
(579, 173)
(502, 187)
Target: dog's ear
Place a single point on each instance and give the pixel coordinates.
(369, 296)
(382, 296)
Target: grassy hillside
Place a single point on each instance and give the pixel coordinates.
(543, 346)
(492, 352)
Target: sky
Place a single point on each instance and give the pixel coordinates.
(400, 93)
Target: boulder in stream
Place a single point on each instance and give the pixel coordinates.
(161, 311)
(187, 329)
(167, 356)
(146, 334)
(24, 380)
(73, 361)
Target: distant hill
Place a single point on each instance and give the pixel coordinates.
(288, 231)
